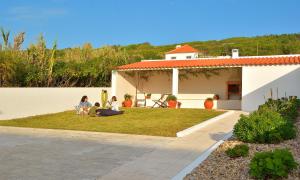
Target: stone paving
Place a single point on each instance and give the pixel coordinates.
(30, 154)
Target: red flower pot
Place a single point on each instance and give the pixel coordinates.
(127, 103)
(208, 104)
(172, 104)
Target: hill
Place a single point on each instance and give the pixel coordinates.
(248, 46)
(85, 66)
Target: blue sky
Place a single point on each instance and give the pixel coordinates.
(121, 22)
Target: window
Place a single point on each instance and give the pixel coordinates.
(233, 90)
(189, 57)
(173, 57)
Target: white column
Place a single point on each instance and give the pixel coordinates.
(114, 74)
(175, 81)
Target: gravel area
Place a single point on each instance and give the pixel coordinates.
(219, 166)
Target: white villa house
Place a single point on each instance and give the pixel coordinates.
(241, 82)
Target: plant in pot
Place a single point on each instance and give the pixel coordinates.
(148, 96)
(172, 101)
(128, 100)
(216, 97)
(209, 103)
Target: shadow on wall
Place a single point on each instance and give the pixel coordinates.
(286, 85)
(156, 83)
(214, 84)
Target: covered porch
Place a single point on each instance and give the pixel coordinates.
(191, 86)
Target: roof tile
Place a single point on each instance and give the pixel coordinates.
(242, 61)
(183, 49)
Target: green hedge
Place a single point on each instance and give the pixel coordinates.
(288, 108)
(265, 126)
(273, 164)
(271, 123)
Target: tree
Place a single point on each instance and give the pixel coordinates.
(51, 63)
(41, 63)
(18, 40)
(87, 49)
(6, 69)
(5, 37)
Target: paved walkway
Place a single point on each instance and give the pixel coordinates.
(27, 153)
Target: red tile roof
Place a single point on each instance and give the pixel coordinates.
(214, 62)
(183, 49)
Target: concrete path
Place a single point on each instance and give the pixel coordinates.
(27, 153)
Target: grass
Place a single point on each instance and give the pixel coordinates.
(156, 122)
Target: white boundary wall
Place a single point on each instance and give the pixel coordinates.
(22, 102)
(260, 81)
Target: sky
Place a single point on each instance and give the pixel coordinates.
(121, 22)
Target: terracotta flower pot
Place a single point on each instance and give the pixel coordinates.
(127, 103)
(172, 104)
(208, 104)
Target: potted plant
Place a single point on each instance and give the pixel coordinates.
(128, 100)
(209, 103)
(148, 96)
(216, 97)
(172, 101)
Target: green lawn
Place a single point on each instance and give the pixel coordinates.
(156, 122)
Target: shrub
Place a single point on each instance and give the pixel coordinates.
(241, 150)
(216, 97)
(209, 99)
(127, 96)
(264, 126)
(288, 108)
(297, 102)
(171, 98)
(273, 164)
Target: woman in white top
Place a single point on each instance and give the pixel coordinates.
(114, 105)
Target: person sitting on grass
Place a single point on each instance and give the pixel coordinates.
(93, 112)
(84, 105)
(113, 104)
(113, 108)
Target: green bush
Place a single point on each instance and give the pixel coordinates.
(241, 150)
(127, 96)
(171, 98)
(264, 126)
(273, 164)
(288, 108)
(296, 102)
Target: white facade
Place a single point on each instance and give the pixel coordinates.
(263, 82)
(181, 56)
(22, 102)
(114, 74)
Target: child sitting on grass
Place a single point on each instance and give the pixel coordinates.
(93, 110)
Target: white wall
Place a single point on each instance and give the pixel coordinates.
(125, 84)
(259, 80)
(22, 102)
(181, 56)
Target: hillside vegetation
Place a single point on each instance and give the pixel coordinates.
(85, 66)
